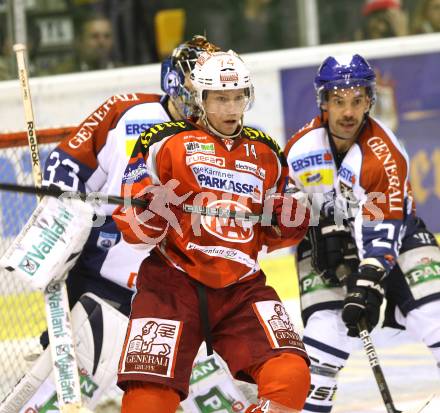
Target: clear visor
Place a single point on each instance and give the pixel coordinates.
(345, 88)
(228, 102)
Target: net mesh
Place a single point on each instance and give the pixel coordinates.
(22, 314)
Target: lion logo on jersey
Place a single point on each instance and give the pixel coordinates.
(151, 347)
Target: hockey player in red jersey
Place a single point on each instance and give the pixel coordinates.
(202, 280)
(93, 158)
(367, 243)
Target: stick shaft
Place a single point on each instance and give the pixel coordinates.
(373, 359)
(118, 200)
(20, 52)
(58, 316)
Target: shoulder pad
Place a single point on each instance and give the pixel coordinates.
(258, 135)
(162, 130)
(315, 123)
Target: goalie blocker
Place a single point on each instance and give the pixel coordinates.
(99, 331)
(50, 242)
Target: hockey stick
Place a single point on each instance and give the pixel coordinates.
(65, 368)
(118, 200)
(373, 359)
(378, 373)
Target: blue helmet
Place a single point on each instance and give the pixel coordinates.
(333, 75)
(174, 68)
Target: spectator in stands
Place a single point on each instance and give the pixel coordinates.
(93, 46)
(383, 18)
(263, 25)
(426, 17)
(8, 68)
(255, 25)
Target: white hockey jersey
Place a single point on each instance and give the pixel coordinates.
(369, 190)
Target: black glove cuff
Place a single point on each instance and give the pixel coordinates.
(370, 277)
(372, 273)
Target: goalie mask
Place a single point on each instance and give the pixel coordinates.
(175, 68)
(224, 76)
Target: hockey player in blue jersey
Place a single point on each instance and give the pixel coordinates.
(368, 244)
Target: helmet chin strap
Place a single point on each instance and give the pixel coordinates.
(217, 132)
(340, 137)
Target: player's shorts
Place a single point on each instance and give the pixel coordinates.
(248, 325)
(415, 281)
(80, 282)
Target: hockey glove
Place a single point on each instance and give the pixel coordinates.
(159, 215)
(333, 252)
(364, 298)
(61, 226)
(291, 216)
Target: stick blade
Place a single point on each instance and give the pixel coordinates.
(430, 405)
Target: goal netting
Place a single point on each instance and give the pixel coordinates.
(22, 313)
(22, 310)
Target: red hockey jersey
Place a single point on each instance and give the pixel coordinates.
(216, 251)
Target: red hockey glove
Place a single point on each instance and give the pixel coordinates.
(292, 216)
(159, 215)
